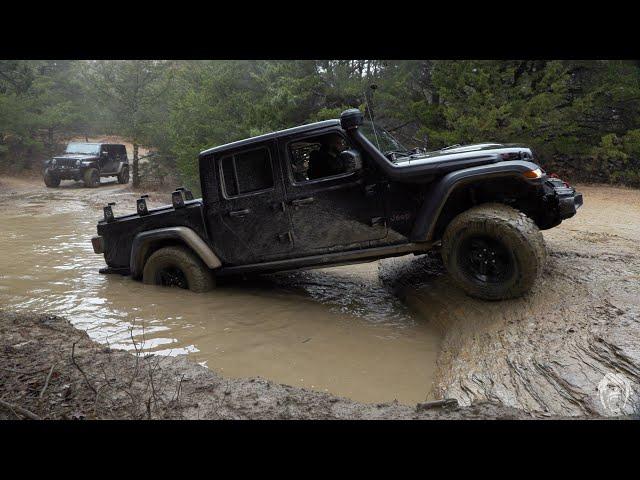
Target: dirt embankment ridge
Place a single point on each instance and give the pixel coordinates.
(570, 347)
(50, 370)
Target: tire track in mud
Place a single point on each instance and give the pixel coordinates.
(548, 352)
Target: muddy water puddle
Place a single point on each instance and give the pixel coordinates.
(338, 330)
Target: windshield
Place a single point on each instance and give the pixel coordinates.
(88, 148)
(381, 138)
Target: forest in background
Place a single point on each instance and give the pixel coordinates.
(582, 118)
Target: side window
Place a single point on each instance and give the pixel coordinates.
(247, 172)
(122, 152)
(313, 158)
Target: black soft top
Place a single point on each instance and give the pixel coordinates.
(270, 136)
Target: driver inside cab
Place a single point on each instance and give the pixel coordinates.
(326, 161)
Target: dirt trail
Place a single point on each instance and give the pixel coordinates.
(549, 352)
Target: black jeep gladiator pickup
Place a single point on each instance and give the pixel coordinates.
(343, 191)
(88, 162)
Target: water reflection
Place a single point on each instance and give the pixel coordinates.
(338, 330)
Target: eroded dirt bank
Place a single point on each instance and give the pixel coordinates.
(51, 370)
(551, 351)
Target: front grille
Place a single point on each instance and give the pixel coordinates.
(66, 162)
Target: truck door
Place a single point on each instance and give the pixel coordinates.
(330, 209)
(107, 161)
(121, 156)
(248, 222)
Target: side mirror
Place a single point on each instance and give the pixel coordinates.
(351, 159)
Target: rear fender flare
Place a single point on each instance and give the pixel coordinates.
(121, 165)
(144, 240)
(438, 194)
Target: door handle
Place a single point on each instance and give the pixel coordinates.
(240, 213)
(302, 201)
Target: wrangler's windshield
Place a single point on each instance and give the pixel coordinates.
(86, 148)
(382, 139)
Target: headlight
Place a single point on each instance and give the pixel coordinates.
(78, 163)
(53, 162)
(533, 174)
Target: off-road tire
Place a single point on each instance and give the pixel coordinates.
(514, 230)
(199, 278)
(123, 176)
(51, 180)
(91, 177)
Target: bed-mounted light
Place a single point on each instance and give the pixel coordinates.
(142, 205)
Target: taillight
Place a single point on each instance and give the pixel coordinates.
(98, 244)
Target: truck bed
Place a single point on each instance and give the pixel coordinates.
(119, 234)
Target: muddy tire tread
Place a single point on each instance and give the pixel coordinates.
(86, 176)
(121, 176)
(199, 277)
(527, 239)
(50, 180)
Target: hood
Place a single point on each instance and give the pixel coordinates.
(478, 153)
(76, 156)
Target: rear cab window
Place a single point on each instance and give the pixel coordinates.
(247, 172)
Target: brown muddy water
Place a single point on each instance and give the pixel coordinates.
(337, 330)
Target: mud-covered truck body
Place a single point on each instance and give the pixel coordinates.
(343, 191)
(87, 162)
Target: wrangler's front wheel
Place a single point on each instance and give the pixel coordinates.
(51, 180)
(178, 266)
(493, 251)
(91, 177)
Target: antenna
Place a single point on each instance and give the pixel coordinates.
(373, 87)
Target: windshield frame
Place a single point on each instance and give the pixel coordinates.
(89, 148)
(381, 138)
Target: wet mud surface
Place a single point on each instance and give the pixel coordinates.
(337, 330)
(572, 346)
(51, 370)
(391, 330)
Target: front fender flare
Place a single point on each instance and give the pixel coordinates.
(439, 193)
(88, 165)
(143, 241)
